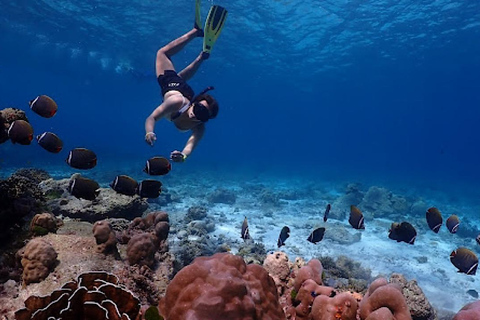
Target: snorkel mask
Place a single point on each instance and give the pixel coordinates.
(201, 111)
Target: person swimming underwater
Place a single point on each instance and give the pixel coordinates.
(180, 105)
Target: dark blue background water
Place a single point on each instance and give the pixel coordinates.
(381, 89)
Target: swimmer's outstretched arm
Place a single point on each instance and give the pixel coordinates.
(174, 102)
(192, 142)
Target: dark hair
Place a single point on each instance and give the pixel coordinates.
(212, 104)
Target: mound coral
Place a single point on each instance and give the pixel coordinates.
(105, 237)
(38, 260)
(94, 295)
(341, 306)
(221, 287)
(470, 311)
(278, 266)
(146, 236)
(384, 300)
(43, 223)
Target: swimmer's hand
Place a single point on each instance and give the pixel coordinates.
(150, 138)
(177, 156)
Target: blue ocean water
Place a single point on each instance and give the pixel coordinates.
(378, 88)
(383, 92)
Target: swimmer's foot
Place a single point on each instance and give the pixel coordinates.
(198, 20)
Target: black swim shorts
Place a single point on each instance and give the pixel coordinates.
(170, 80)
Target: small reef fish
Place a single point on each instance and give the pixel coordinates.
(327, 211)
(403, 231)
(284, 234)
(149, 188)
(356, 219)
(84, 188)
(50, 142)
(124, 185)
(452, 223)
(21, 132)
(81, 158)
(473, 293)
(434, 219)
(464, 260)
(157, 166)
(478, 239)
(245, 234)
(44, 106)
(316, 235)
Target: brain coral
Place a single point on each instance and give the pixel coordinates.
(38, 260)
(94, 295)
(221, 287)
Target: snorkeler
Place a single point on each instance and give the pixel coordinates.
(180, 105)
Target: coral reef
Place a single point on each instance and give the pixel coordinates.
(20, 196)
(43, 223)
(384, 300)
(195, 213)
(145, 237)
(341, 306)
(7, 116)
(312, 270)
(141, 250)
(278, 266)
(75, 247)
(38, 260)
(108, 204)
(353, 196)
(470, 311)
(252, 252)
(346, 268)
(221, 287)
(105, 237)
(339, 234)
(269, 198)
(381, 202)
(420, 307)
(93, 295)
(222, 196)
(194, 237)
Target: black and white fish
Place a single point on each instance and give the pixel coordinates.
(464, 260)
(316, 235)
(284, 234)
(50, 142)
(125, 185)
(21, 132)
(84, 188)
(403, 231)
(149, 188)
(44, 106)
(327, 211)
(356, 218)
(82, 158)
(434, 219)
(452, 223)
(245, 234)
(157, 166)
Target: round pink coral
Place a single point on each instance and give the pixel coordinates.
(221, 287)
